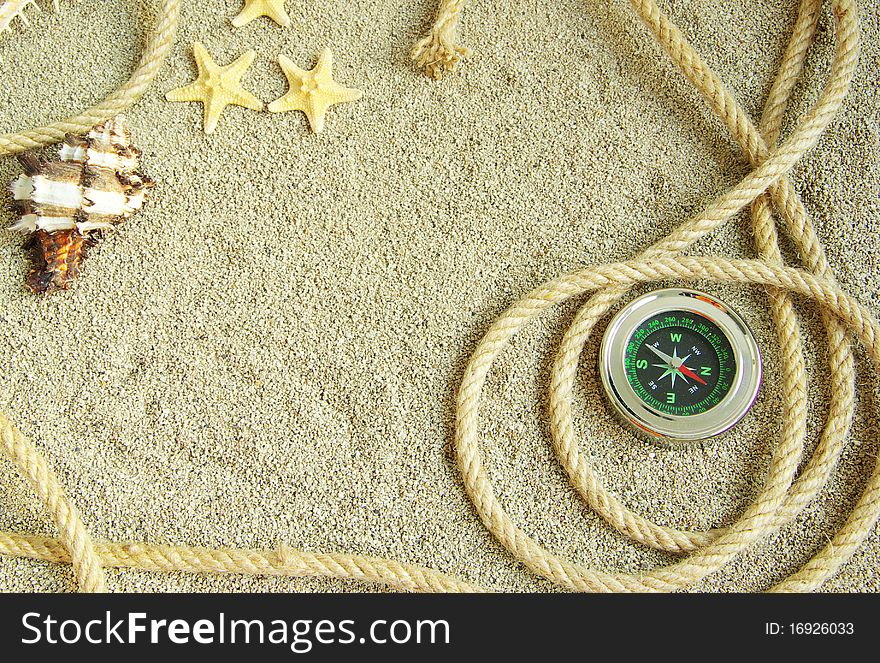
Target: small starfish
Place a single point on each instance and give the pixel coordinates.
(217, 86)
(312, 92)
(274, 9)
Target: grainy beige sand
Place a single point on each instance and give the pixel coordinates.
(270, 352)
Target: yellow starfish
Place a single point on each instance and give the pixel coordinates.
(217, 86)
(312, 92)
(274, 9)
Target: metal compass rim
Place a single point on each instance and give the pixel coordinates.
(680, 428)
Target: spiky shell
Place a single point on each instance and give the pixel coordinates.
(65, 203)
(56, 259)
(94, 186)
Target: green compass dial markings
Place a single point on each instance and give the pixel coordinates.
(679, 363)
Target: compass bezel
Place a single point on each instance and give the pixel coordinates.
(722, 417)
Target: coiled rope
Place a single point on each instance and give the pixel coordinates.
(767, 189)
(160, 40)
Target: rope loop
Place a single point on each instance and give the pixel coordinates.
(768, 190)
(74, 537)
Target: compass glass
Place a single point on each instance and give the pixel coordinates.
(679, 363)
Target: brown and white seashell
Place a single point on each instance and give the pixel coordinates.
(68, 203)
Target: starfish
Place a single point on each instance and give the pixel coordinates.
(312, 92)
(274, 9)
(217, 86)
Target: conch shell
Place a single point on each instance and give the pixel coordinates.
(66, 205)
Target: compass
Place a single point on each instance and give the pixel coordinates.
(679, 364)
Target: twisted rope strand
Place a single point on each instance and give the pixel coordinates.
(87, 565)
(74, 539)
(842, 374)
(770, 511)
(564, 371)
(826, 292)
(282, 562)
(292, 562)
(120, 100)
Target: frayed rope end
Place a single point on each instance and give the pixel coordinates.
(438, 53)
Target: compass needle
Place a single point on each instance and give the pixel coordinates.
(665, 357)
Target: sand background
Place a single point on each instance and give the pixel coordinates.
(270, 352)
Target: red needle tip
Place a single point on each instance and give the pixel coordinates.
(684, 369)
